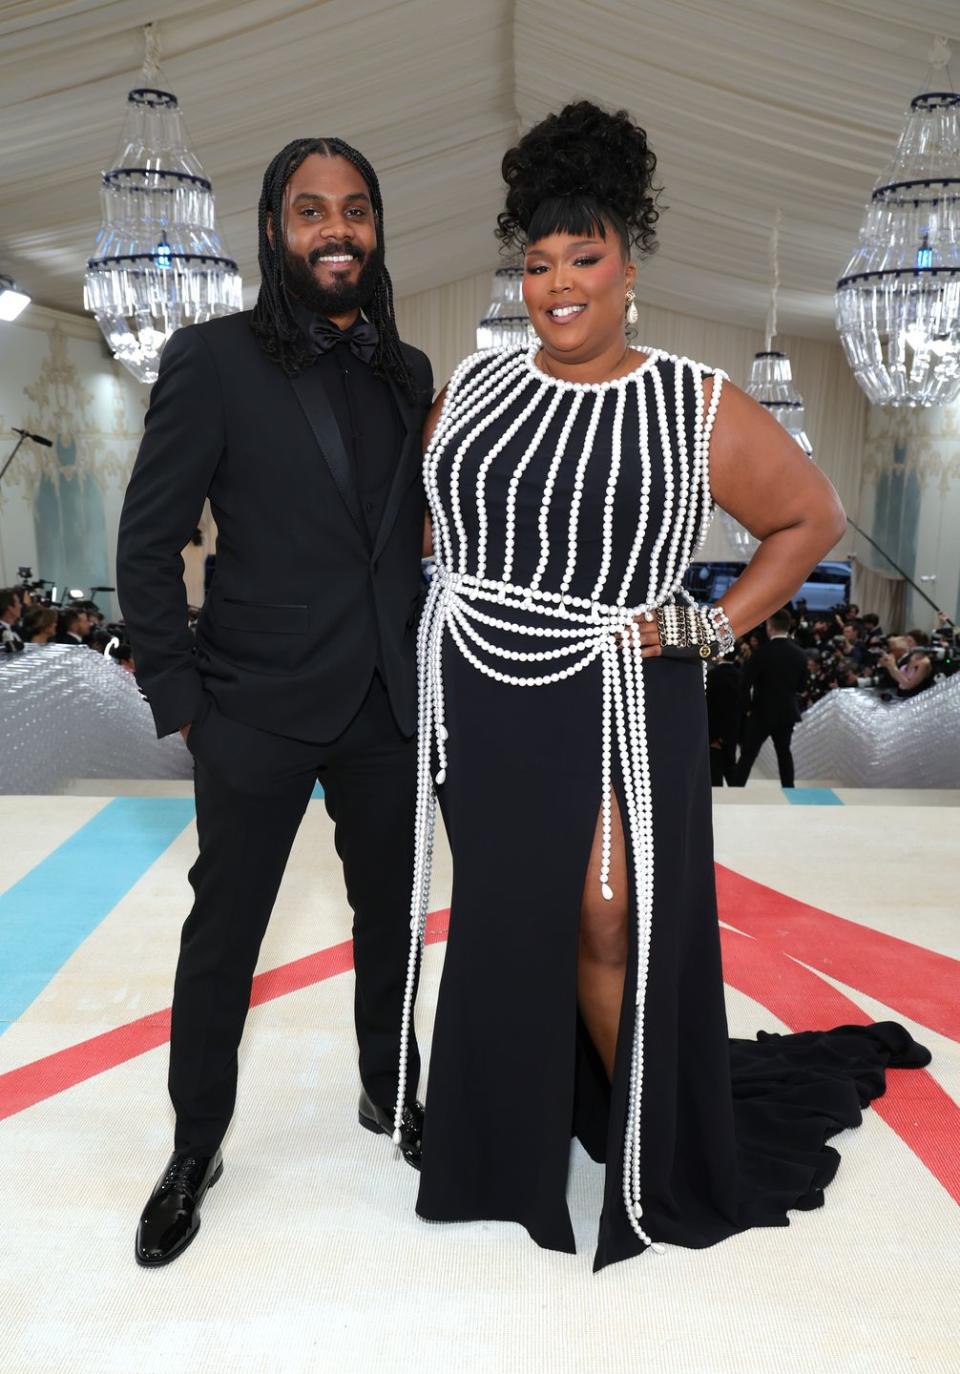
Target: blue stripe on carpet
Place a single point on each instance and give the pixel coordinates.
(812, 796)
(53, 908)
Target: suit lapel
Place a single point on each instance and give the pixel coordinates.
(313, 398)
(407, 462)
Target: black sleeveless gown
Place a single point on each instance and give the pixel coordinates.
(732, 1134)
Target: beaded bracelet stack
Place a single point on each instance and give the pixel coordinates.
(723, 630)
(691, 631)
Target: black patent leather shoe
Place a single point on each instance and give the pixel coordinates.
(380, 1121)
(171, 1218)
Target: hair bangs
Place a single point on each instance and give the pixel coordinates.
(579, 216)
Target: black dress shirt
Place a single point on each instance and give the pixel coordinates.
(366, 414)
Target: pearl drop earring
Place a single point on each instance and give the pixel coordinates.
(632, 313)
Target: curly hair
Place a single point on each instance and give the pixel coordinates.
(577, 172)
(272, 320)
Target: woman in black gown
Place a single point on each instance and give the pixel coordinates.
(570, 486)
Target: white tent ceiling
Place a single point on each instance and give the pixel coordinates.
(749, 104)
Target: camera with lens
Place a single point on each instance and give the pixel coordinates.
(28, 582)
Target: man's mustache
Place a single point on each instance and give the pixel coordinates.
(332, 251)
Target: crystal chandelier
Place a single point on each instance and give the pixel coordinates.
(158, 261)
(898, 302)
(771, 385)
(507, 321)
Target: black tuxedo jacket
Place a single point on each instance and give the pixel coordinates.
(776, 673)
(304, 603)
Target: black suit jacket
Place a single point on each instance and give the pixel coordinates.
(775, 674)
(303, 602)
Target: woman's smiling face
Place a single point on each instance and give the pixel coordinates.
(575, 288)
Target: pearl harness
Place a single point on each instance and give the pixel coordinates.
(577, 631)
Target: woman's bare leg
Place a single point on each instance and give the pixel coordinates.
(602, 955)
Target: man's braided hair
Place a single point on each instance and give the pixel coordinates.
(273, 321)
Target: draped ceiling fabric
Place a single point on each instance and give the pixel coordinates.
(749, 104)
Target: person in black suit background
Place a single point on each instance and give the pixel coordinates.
(301, 421)
(73, 626)
(773, 677)
(724, 709)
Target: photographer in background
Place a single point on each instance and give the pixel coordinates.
(907, 664)
(872, 631)
(853, 648)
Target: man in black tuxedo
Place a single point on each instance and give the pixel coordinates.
(72, 627)
(773, 677)
(301, 421)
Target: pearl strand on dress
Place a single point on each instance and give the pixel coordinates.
(578, 491)
(516, 425)
(706, 431)
(459, 411)
(606, 778)
(646, 479)
(544, 515)
(521, 655)
(511, 516)
(695, 512)
(466, 386)
(606, 553)
(661, 539)
(423, 841)
(478, 428)
(683, 466)
(627, 705)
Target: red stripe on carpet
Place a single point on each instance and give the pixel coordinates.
(914, 1105)
(32, 1083)
(919, 1111)
(912, 980)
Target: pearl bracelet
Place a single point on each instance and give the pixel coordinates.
(723, 630)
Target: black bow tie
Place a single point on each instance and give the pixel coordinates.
(361, 338)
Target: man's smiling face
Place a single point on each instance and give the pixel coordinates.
(332, 258)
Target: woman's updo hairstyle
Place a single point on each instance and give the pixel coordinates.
(576, 172)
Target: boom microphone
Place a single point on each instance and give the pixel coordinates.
(37, 438)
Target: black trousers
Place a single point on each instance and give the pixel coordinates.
(755, 732)
(723, 764)
(252, 790)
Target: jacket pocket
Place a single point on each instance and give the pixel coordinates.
(260, 616)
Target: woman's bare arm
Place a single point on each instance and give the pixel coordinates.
(761, 476)
(429, 425)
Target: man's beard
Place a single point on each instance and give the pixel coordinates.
(340, 299)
